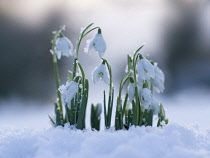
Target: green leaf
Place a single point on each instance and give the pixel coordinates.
(58, 117)
(81, 117)
(105, 115)
(125, 103)
(51, 120)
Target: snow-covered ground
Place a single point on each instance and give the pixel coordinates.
(25, 132)
(174, 141)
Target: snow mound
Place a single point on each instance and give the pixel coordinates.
(174, 141)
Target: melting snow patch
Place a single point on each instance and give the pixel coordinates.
(173, 141)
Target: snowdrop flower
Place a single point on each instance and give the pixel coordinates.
(68, 91)
(97, 43)
(155, 106)
(101, 73)
(145, 69)
(146, 98)
(158, 81)
(63, 47)
(131, 90)
(140, 84)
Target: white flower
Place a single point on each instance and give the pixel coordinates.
(155, 106)
(140, 85)
(68, 91)
(101, 73)
(63, 47)
(97, 43)
(131, 91)
(146, 98)
(158, 81)
(145, 69)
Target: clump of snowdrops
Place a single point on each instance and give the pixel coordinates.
(135, 107)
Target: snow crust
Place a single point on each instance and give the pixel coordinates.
(174, 141)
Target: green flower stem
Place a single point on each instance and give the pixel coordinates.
(67, 114)
(75, 67)
(82, 35)
(123, 81)
(57, 34)
(57, 80)
(110, 75)
(105, 115)
(118, 116)
(110, 102)
(91, 31)
(83, 74)
(81, 117)
(138, 107)
(129, 60)
(124, 105)
(80, 39)
(111, 108)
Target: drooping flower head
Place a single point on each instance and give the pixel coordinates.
(64, 47)
(68, 92)
(140, 84)
(101, 73)
(145, 69)
(158, 81)
(146, 98)
(97, 43)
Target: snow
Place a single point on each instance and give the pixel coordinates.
(25, 132)
(174, 141)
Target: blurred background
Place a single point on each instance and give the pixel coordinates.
(176, 33)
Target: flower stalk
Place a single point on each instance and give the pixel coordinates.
(138, 107)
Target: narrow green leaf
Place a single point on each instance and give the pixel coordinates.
(51, 120)
(105, 115)
(125, 103)
(58, 117)
(81, 117)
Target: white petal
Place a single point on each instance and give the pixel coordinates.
(105, 77)
(157, 84)
(68, 91)
(95, 76)
(146, 98)
(100, 45)
(97, 43)
(101, 73)
(148, 67)
(58, 53)
(140, 70)
(64, 47)
(159, 73)
(158, 81)
(89, 46)
(140, 85)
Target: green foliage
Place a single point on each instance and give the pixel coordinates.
(95, 116)
(128, 112)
